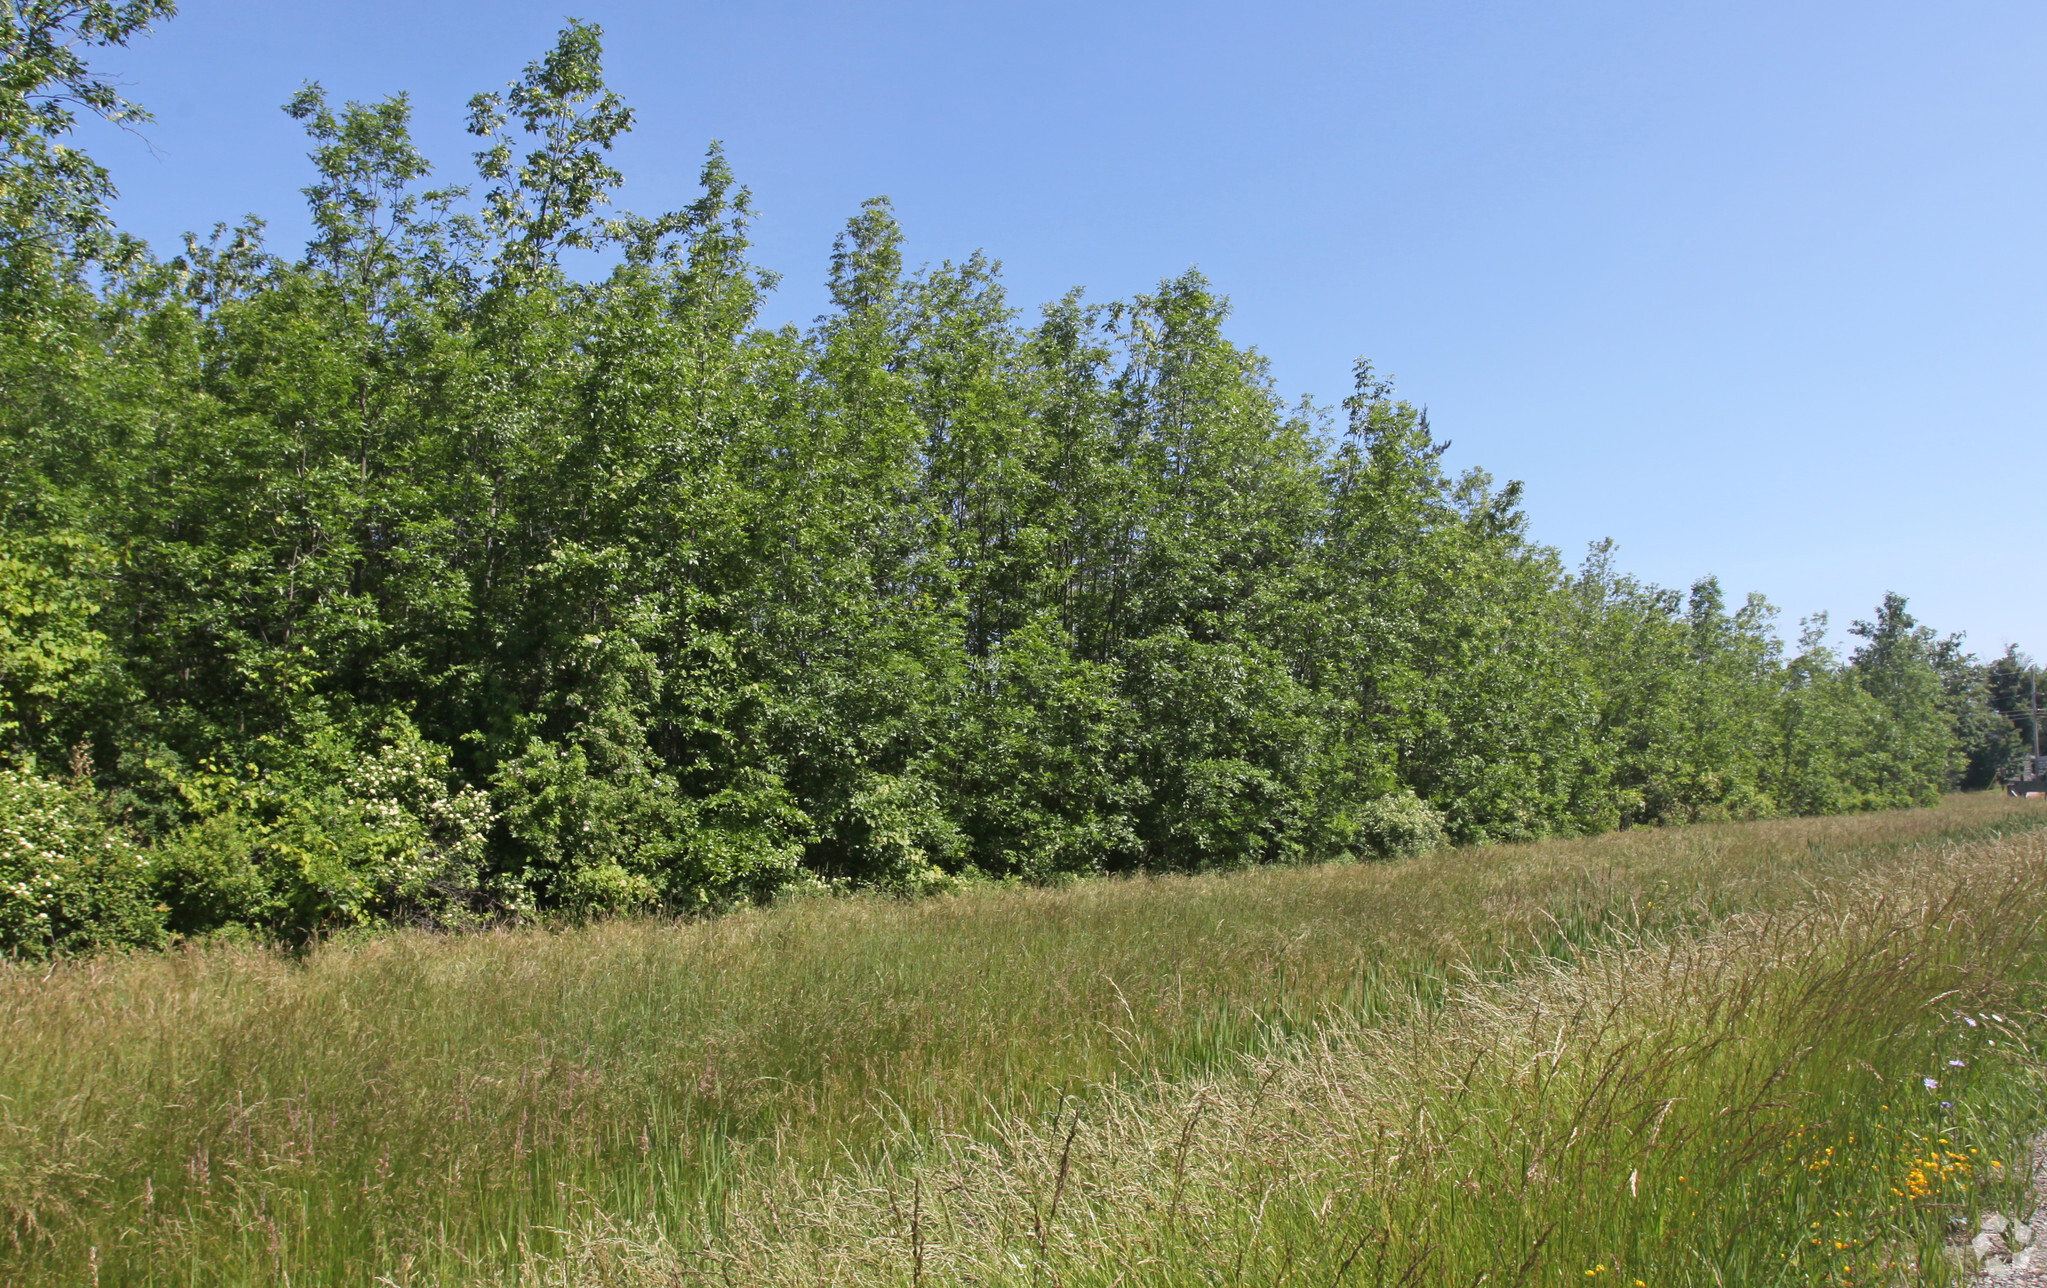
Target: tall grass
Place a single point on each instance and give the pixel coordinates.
(645, 1099)
(1812, 1096)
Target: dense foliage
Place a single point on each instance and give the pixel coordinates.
(420, 577)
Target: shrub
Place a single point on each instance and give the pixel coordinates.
(422, 838)
(209, 875)
(343, 834)
(1398, 826)
(70, 879)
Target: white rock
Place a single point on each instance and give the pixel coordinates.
(1995, 1223)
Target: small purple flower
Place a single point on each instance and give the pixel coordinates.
(1958, 1064)
(1932, 1084)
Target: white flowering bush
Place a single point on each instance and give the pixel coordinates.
(71, 881)
(348, 836)
(1399, 826)
(422, 842)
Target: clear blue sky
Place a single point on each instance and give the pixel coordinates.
(1757, 289)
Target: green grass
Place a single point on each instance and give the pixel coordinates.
(854, 1090)
(1747, 1106)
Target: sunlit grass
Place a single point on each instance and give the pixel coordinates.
(454, 1109)
(1810, 1096)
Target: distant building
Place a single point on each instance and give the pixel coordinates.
(2035, 781)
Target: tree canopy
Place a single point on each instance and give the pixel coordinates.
(417, 577)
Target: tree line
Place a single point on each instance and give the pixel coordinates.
(419, 578)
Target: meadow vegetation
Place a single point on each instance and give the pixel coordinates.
(626, 794)
(1413, 1071)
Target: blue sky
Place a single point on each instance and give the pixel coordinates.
(1754, 289)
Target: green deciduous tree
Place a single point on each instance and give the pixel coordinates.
(492, 558)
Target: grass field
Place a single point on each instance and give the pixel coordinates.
(1684, 1056)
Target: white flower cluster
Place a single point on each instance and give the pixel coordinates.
(430, 839)
(58, 860)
